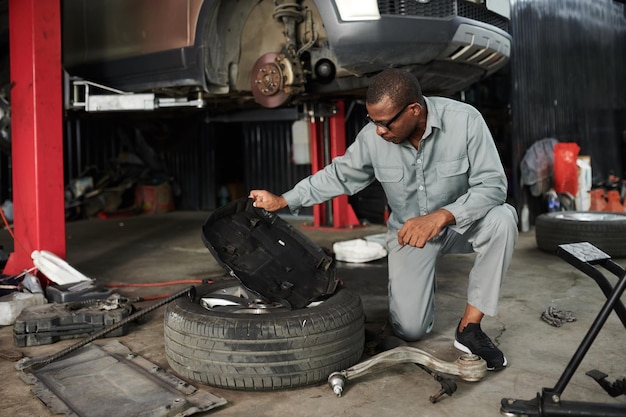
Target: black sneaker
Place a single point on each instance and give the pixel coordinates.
(473, 340)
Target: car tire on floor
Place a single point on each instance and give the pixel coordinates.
(605, 230)
(260, 352)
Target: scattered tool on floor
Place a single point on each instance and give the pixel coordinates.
(39, 362)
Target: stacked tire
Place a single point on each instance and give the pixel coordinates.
(604, 230)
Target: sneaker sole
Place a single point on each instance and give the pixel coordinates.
(465, 349)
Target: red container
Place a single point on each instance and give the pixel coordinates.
(154, 198)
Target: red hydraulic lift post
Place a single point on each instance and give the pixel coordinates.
(37, 130)
(317, 164)
(343, 216)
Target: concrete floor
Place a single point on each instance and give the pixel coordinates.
(168, 247)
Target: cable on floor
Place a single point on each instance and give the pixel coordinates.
(158, 284)
(161, 284)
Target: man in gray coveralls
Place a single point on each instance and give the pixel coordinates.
(446, 187)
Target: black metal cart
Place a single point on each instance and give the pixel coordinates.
(585, 257)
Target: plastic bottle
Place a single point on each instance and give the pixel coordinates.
(524, 218)
(32, 283)
(553, 201)
(7, 207)
(224, 196)
(613, 203)
(598, 199)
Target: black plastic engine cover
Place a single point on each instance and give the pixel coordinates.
(268, 255)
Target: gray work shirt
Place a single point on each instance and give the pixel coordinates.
(456, 167)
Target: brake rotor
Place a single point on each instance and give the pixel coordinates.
(267, 80)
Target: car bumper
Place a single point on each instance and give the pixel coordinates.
(362, 47)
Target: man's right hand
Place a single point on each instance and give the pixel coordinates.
(266, 200)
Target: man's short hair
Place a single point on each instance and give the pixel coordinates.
(400, 86)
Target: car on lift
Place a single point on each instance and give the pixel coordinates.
(285, 322)
(277, 52)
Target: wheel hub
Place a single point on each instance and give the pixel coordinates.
(239, 300)
(275, 78)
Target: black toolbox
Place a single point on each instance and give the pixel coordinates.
(49, 323)
(268, 255)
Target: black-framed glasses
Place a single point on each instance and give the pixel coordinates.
(388, 123)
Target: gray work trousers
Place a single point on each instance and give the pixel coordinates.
(412, 270)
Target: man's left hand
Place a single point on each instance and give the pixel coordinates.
(419, 230)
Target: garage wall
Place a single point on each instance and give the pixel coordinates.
(268, 157)
(568, 82)
(207, 162)
(151, 147)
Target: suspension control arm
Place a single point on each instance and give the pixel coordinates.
(469, 368)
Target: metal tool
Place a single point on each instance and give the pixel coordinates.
(468, 367)
(448, 385)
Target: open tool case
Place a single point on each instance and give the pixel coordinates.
(49, 323)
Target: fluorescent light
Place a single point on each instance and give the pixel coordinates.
(353, 10)
(501, 7)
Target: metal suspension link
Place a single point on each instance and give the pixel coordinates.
(470, 368)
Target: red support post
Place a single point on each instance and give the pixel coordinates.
(37, 130)
(343, 215)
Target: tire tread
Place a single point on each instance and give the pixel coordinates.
(264, 352)
(608, 236)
